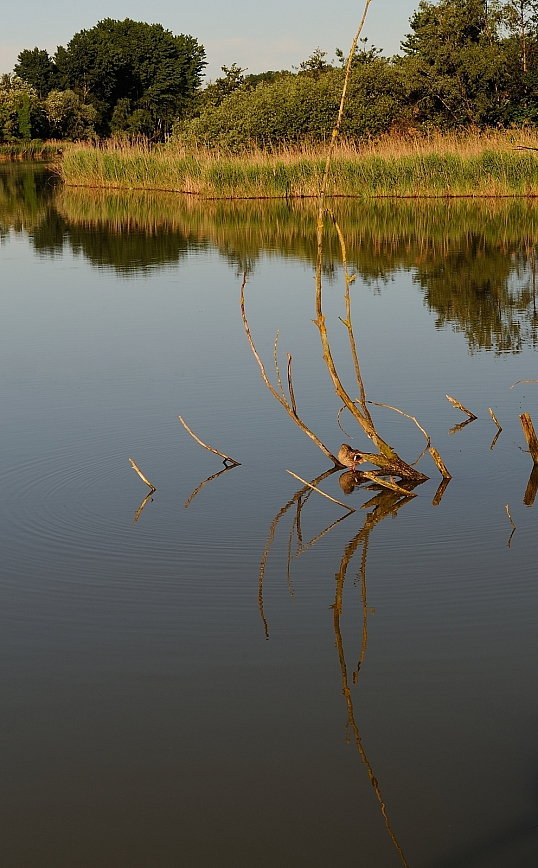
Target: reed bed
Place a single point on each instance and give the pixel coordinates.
(35, 150)
(476, 165)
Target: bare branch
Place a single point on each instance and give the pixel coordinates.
(440, 463)
(522, 381)
(209, 448)
(281, 400)
(319, 491)
(493, 416)
(461, 407)
(386, 483)
(141, 475)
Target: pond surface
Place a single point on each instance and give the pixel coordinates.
(248, 681)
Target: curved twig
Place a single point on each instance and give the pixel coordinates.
(205, 446)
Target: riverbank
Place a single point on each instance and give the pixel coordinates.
(486, 165)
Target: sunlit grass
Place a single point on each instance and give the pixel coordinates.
(485, 164)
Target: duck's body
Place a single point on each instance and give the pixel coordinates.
(349, 457)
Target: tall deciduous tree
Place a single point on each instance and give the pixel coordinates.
(145, 68)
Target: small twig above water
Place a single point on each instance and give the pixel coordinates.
(461, 407)
(209, 448)
(530, 435)
(513, 526)
(387, 483)
(141, 475)
(522, 381)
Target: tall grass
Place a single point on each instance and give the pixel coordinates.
(483, 165)
(34, 150)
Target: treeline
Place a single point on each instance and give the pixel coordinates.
(464, 63)
(118, 77)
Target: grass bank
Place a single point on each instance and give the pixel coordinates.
(36, 150)
(486, 165)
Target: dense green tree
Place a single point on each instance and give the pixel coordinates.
(454, 64)
(145, 64)
(37, 69)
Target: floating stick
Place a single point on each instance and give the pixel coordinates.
(461, 407)
(141, 475)
(530, 435)
(205, 446)
(319, 491)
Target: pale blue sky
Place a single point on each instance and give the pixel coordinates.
(256, 35)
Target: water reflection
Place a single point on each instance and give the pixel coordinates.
(384, 503)
(474, 262)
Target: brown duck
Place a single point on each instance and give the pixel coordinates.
(349, 457)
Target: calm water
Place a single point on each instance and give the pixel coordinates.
(164, 702)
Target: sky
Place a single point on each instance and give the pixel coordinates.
(257, 36)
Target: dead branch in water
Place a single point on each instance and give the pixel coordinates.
(530, 435)
(440, 463)
(289, 406)
(461, 407)
(522, 381)
(209, 448)
(513, 526)
(386, 483)
(493, 416)
(141, 475)
(319, 491)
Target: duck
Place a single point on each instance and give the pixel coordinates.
(349, 457)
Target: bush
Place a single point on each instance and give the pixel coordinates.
(295, 107)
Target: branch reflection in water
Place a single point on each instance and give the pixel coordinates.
(384, 503)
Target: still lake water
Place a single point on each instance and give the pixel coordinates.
(163, 702)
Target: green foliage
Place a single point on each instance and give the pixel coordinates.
(69, 117)
(21, 112)
(37, 69)
(294, 107)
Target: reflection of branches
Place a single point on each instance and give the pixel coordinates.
(297, 498)
(461, 425)
(209, 478)
(385, 503)
(138, 512)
